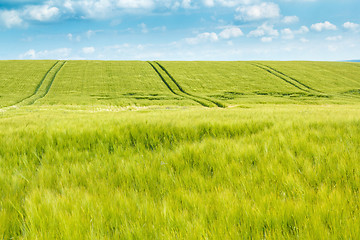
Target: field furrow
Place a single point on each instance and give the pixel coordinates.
(217, 103)
(231, 83)
(289, 77)
(20, 80)
(44, 86)
(163, 79)
(281, 76)
(174, 87)
(139, 150)
(117, 83)
(330, 78)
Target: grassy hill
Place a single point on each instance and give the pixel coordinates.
(110, 83)
(209, 84)
(179, 150)
(20, 79)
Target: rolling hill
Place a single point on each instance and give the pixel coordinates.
(124, 83)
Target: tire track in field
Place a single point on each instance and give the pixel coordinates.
(42, 88)
(280, 76)
(47, 89)
(219, 104)
(174, 89)
(162, 79)
(293, 79)
(37, 87)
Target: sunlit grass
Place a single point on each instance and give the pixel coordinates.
(265, 171)
(283, 82)
(119, 83)
(20, 79)
(116, 150)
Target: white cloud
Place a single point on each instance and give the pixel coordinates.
(302, 30)
(70, 36)
(104, 9)
(143, 28)
(290, 19)
(29, 54)
(15, 18)
(334, 38)
(186, 4)
(264, 30)
(203, 37)
(303, 0)
(266, 39)
(209, 3)
(88, 50)
(231, 32)
(288, 34)
(92, 8)
(90, 33)
(266, 10)
(50, 10)
(68, 4)
(323, 26)
(133, 3)
(227, 3)
(351, 26)
(60, 53)
(10, 19)
(304, 40)
(101, 9)
(42, 13)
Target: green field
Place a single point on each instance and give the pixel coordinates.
(179, 150)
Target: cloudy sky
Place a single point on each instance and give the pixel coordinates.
(180, 29)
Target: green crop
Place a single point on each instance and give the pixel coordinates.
(269, 171)
(264, 82)
(327, 77)
(110, 83)
(21, 79)
(179, 150)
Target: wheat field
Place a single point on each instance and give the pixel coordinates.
(179, 150)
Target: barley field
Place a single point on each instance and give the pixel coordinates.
(179, 150)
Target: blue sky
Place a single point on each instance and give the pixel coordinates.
(180, 29)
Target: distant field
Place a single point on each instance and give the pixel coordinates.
(227, 81)
(211, 84)
(20, 79)
(327, 77)
(110, 83)
(179, 150)
(236, 82)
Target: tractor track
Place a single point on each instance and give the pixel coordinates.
(293, 79)
(38, 86)
(281, 77)
(51, 82)
(171, 90)
(162, 79)
(48, 77)
(186, 93)
(176, 88)
(168, 86)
